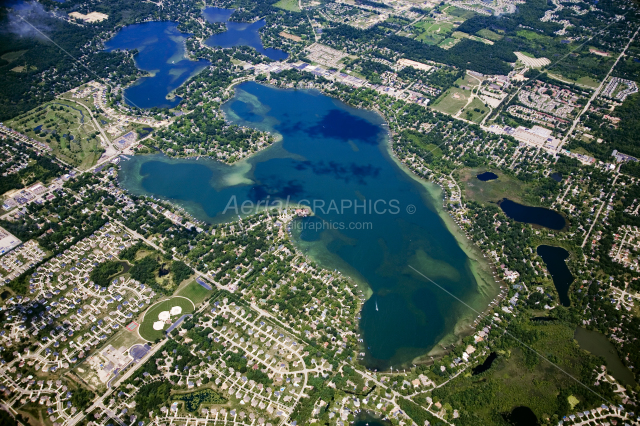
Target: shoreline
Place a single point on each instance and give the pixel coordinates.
(486, 288)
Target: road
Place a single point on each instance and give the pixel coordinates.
(95, 122)
(99, 403)
(596, 93)
(586, 237)
(49, 190)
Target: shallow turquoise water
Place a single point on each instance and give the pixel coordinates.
(331, 152)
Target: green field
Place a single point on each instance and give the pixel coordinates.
(534, 36)
(470, 112)
(468, 81)
(490, 35)
(432, 32)
(290, 5)
(585, 81)
(151, 315)
(459, 13)
(12, 56)
(448, 43)
(194, 292)
(451, 101)
(67, 128)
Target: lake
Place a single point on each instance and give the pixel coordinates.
(554, 258)
(364, 418)
(162, 54)
(485, 365)
(239, 33)
(522, 416)
(598, 344)
(534, 215)
(386, 220)
(487, 176)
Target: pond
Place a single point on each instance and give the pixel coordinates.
(534, 215)
(522, 416)
(554, 258)
(332, 154)
(598, 344)
(239, 33)
(485, 365)
(161, 53)
(365, 418)
(487, 176)
(556, 176)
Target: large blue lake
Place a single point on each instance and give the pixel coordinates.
(331, 152)
(161, 53)
(239, 33)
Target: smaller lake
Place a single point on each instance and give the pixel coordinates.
(598, 344)
(239, 33)
(365, 418)
(556, 176)
(487, 176)
(161, 53)
(533, 215)
(486, 364)
(522, 416)
(554, 258)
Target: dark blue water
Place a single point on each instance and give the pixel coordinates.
(487, 176)
(554, 258)
(485, 365)
(534, 215)
(522, 416)
(239, 33)
(161, 52)
(331, 152)
(556, 176)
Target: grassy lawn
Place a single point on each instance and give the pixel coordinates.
(290, 5)
(468, 81)
(534, 36)
(448, 43)
(12, 56)
(585, 81)
(460, 34)
(588, 81)
(66, 127)
(124, 339)
(194, 292)
(432, 32)
(490, 35)
(451, 101)
(470, 112)
(459, 13)
(151, 316)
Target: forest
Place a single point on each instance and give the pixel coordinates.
(466, 54)
(623, 138)
(101, 274)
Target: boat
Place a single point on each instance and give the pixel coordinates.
(376, 305)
